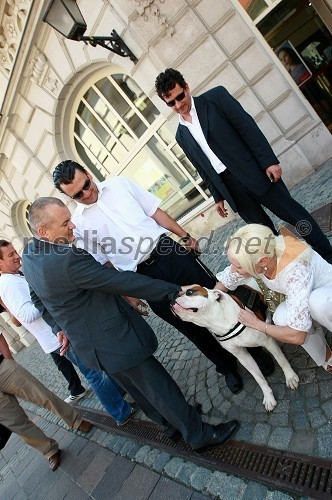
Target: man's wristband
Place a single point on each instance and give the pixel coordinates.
(185, 238)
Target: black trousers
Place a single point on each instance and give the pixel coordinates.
(177, 265)
(161, 399)
(279, 201)
(68, 371)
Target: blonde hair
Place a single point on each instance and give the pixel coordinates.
(251, 243)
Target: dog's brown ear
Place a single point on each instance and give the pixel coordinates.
(218, 294)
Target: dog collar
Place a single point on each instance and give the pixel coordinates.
(236, 330)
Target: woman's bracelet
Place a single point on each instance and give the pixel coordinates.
(265, 331)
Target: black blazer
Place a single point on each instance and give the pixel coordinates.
(82, 296)
(234, 137)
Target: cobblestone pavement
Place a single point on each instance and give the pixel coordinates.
(301, 422)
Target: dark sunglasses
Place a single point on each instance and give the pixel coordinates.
(86, 186)
(178, 98)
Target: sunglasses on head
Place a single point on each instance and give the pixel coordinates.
(178, 98)
(86, 186)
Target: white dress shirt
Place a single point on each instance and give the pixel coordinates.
(118, 227)
(196, 131)
(15, 294)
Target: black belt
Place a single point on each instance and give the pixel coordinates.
(224, 173)
(1, 358)
(154, 254)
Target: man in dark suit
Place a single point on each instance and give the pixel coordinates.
(83, 297)
(234, 158)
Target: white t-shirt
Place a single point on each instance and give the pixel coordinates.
(118, 227)
(15, 294)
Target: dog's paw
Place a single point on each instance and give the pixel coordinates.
(292, 381)
(269, 402)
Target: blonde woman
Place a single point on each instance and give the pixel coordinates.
(291, 267)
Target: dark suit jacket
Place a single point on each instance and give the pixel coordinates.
(234, 137)
(70, 286)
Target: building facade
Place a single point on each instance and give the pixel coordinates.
(64, 99)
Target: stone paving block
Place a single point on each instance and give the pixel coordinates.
(76, 493)
(198, 496)
(40, 469)
(35, 461)
(303, 442)
(200, 477)
(47, 483)
(20, 495)
(317, 418)
(151, 458)
(98, 436)
(11, 447)
(312, 402)
(139, 485)
(131, 454)
(142, 454)
(226, 487)
(113, 478)
(119, 445)
(280, 438)
(261, 433)
(9, 487)
(70, 454)
(173, 467)
(300, 421)
(161, 461)
(24, 458)
(186, 471)
(64, 438)
(254, 490)
(279, 495)
(82, 460)
(96, 468)
(324, 439)
(166, 489)
(126, 448)
(64, 485)
(279, 419)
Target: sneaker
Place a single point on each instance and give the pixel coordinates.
(134, 409)
(71, 400)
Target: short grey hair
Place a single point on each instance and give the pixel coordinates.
(39, 216)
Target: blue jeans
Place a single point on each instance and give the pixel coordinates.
(106, 389)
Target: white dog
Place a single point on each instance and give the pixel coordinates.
(219, 313)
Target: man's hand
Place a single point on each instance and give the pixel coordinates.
(192, 244)
(65, 344)
(275, 170)
(136, 304)
(220, 207)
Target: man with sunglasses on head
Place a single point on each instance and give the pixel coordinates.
(120, 223)
(234, 158)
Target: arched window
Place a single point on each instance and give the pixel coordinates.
(119, 131)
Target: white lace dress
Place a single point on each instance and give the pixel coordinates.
(307, 285)
(298, 280)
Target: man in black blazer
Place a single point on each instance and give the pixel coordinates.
(81, 297)
(234, 158)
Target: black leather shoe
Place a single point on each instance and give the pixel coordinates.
(221, 434)
(234, 382)
(263, 359)
(134, 409)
